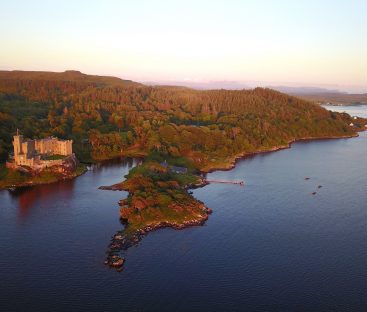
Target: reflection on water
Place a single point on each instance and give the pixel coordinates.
(27, 198)
(116, 162)
(31, 197)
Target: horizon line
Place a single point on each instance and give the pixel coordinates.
(197, 83)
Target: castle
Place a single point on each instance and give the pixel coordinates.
(36, 153)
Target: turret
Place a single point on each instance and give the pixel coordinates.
(17, 143)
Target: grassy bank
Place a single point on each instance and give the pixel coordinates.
(14, 178)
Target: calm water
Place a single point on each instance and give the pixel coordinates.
(269, 246)
(354, 110)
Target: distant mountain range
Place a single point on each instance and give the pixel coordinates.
(324, 96)
(314, 94)
(202, 85)
(335, 98)
(305, 90)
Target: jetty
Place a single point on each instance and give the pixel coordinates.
(226, 182)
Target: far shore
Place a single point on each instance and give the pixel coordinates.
(231, 163)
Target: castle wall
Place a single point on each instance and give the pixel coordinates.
(69, 163)
(23, 160)
(25, 151)
(28, 148)
(53, 146)
(47, 146)
(65, 147)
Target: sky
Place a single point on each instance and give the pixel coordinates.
(254, 42)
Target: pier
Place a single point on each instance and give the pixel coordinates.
(242, 183)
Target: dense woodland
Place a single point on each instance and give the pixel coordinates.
(107, 116)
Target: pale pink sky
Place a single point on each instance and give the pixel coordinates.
(284, 42)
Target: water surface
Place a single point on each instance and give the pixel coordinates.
(353, 110)
(268, 246)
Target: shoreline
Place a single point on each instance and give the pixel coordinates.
(122, 240)
(232, 162)
(22, 185)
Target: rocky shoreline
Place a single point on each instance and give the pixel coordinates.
(122, 241)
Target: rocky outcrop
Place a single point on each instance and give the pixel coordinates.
(125, 239)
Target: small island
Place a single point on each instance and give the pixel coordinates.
(39, 161)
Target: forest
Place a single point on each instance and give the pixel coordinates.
(107, 117)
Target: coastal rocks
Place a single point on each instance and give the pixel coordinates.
(109, 188)
(115, 261)
(200, 183)
(70, 163)
(125, 239)
(123, 202)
